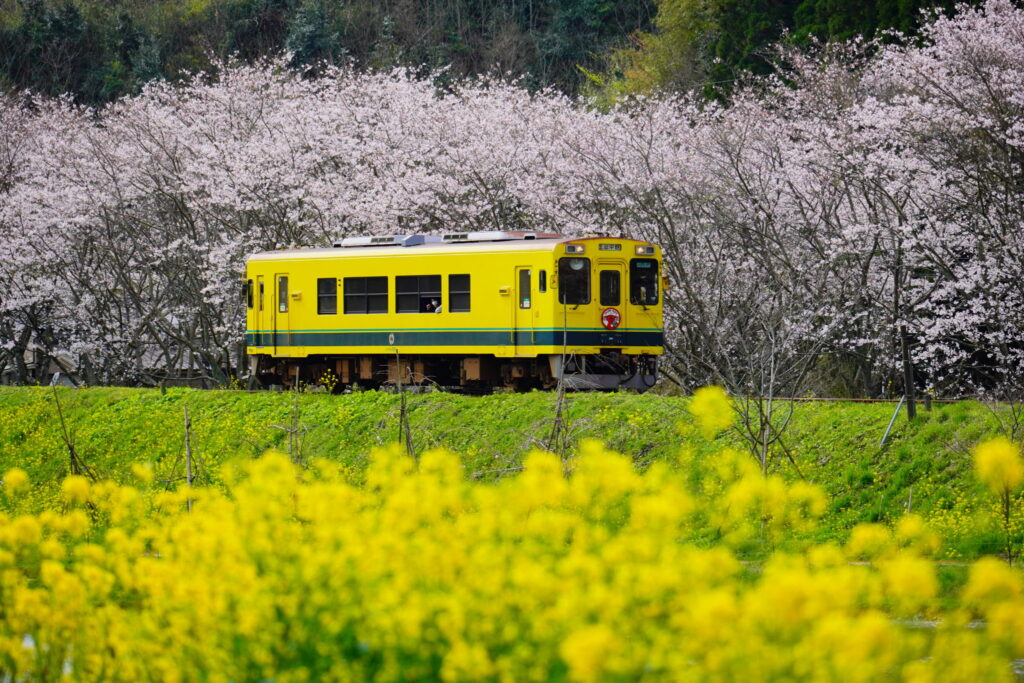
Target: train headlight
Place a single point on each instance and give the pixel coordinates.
(644, 250)
(574, 249)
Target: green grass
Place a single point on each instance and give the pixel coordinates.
(926, 465)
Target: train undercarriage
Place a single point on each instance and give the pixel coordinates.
(606, 371)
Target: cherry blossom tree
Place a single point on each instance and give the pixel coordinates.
(867, 204)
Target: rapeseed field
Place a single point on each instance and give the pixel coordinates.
(575, 569)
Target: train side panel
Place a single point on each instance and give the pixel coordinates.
(311, 307)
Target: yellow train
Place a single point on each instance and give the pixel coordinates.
(474, 310)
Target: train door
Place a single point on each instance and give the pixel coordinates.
(281, 326)
(260, 322)
(523, 316)
(611, 277)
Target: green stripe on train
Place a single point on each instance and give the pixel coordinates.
(505, 337)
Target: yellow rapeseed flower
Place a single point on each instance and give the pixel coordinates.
(75, 489)
(991, 581)
(1006, 623)
(910, 582)
(711, 407)
(586, 652)
(24, 530)
(913, 533)
(869, 541)
(465, 662)
(143, 471)
(998, 464)
(15, 479)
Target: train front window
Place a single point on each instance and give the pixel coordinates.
(418, 293)
(643, 282)
(610, 288)
(326, 296)
(574, 281)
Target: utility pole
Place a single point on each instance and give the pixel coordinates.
(188, 457)
(908, 374)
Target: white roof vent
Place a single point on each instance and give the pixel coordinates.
(447, 238)
(382, 241)
(491, 236)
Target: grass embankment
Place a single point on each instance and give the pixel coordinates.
(925, 465)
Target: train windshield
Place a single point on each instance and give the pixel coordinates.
(643, 282)
(574, 281)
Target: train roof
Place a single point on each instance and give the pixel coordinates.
(408, 245)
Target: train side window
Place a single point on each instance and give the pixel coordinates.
(248, 293)
(610, 288)
(326, 296)
(282, 294)
(417, 293)
(377, 294)
(261, 294)
(574, 281)
(524, 288)
(542, 281)
(643, 282)
(458, 293)
(366, 295)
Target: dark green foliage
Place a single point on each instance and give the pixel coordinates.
(95, 53)
(715, 43)
(310, 37)
(747, 29)
(580, 30)
(99, 51)
(838, 20)
(53, 49)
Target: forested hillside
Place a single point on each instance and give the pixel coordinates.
(713, 44)
(99, 51)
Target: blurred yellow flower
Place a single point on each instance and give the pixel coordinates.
(15, 479)
(910, 582)
(712, 409)
(75, 489)
(998, 464)
(143, 471)
(465, 662)
(586, 652)
(869, 541)
(910, 528)
(913, 534)
(24, 530)
(992, 581)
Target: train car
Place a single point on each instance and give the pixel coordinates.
(471, 310)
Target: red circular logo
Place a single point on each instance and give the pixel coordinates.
(610, 318)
